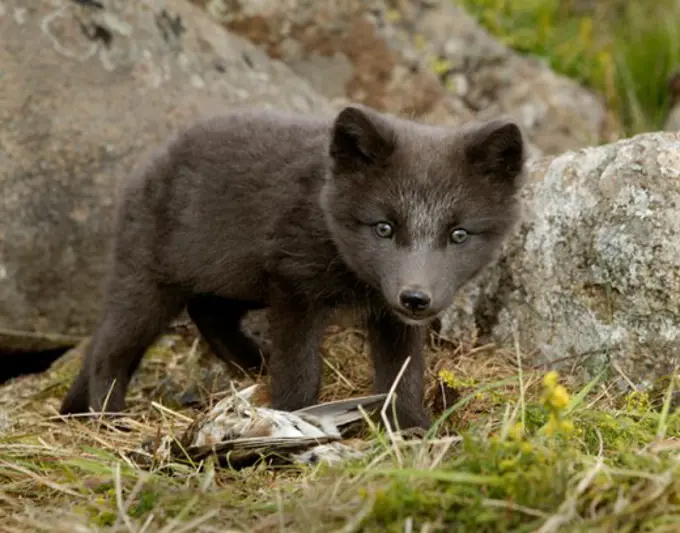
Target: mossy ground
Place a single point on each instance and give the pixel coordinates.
(625, 50)
(514, 451)
(517, 450)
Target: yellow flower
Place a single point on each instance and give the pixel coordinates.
(550, 379)
(559, 397)
(447, 377)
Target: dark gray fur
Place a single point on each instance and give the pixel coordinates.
(258, 208)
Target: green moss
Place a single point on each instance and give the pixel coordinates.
(623, 49)
(595, 471)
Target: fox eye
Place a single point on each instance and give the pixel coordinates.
(383, 230)
(459, 235)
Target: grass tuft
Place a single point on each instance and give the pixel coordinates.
(513, 450)
(626, 50)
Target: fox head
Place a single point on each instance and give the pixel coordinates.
(416, 210)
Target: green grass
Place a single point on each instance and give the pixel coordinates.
(516, 451)
(623, 49)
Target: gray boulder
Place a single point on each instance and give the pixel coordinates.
(593, 272)
(86, 89)
(557, 113)
(425, 59)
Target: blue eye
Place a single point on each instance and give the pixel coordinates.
(383, 230)
(459, 236)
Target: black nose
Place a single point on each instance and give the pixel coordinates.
(415, 300)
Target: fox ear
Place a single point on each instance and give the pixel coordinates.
(496, 149)
(359, 139)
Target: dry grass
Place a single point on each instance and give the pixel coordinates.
(616, 470)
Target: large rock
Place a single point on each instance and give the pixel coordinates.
(339, 47)
(492, 80)
(426, 59)
(86, 89)
(594, 271)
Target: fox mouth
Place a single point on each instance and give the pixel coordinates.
(415, 319)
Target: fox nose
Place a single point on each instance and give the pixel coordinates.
(414, 300)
